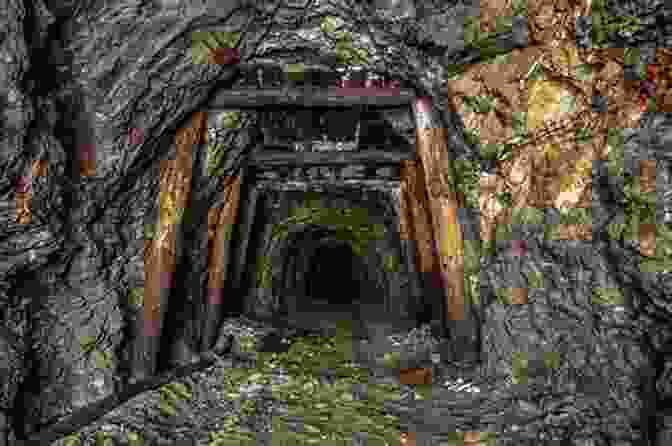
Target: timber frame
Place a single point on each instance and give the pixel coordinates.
(428, 213)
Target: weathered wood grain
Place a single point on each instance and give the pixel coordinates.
(310, 97)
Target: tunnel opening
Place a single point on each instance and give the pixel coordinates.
(331, 278)
(326, 283)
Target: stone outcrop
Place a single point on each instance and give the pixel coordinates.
(79, 184)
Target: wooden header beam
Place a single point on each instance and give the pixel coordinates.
(280, 158)
(310, 97)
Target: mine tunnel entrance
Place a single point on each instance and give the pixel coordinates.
(331, 278)
(326, 282)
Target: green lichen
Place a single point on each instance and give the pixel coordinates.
(216, 156)
(527, 216)
(104, 439)
(136, 296)
(535, 279)
(576, 216)
(616, 142)
(583, 135)
(230, 119)
(170, 395)
(504, 232)
(88, 344)
(552, 231)
(264, 272)
(503, 296)
(519, 367)
(329, 412)
(247, 343)
(552, 360)
(151, 231)
(135, 439)
(391, 263)
(605, 24)
(72, 440)
(295, 72)
(505, 199)
(467, 177)
(519, 8)
(228, 231)
(104, 359)
(607, 296)
(205, 41)
(480, 104)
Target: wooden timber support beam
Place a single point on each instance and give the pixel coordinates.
(416, 227)
(221, 221)
(281, 158)
(444, 206)
(311, 97)
(160, 254)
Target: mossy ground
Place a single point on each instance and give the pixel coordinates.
(328, 412)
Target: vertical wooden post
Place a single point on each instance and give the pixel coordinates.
(160, 260)
(24, 192)
(418, 228)
(441, 191)
(222, 221)
(248, 214)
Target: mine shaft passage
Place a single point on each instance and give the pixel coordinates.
(332, 277)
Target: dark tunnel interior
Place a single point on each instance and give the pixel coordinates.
(332, 276)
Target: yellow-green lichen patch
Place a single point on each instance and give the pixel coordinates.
(605, 24)
(216, 156)
(104, 359)
(328, 412)
(295, 72)
(519, 367)
(503, 296)
(535, 279)
(527, 216)
(607, 296)
(135, 439)
(151, 231)
(104, 439)
(264, 271)
(248, 343)
(170, 395)
(229, 119)
(202, 42)
(616, 143)
(391, 263)
(72, 440)
(552, 360)
(136, 296)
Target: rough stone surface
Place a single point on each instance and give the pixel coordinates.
(73, 77)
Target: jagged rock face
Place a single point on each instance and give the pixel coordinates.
(86, 240)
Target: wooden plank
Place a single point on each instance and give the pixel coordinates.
(160, 260)
(248, 215)
(443, 201)
(310, 97)
(420, 234)
(220, 228)
(279, 157)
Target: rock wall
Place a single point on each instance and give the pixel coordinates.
(68, 272)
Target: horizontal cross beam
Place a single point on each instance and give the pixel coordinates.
(310, 97)
(281, 158)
